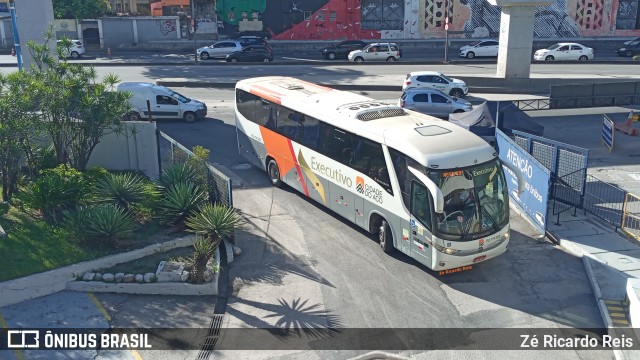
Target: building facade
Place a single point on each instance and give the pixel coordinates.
(423, 19)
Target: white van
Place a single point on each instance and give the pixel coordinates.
(164, 102)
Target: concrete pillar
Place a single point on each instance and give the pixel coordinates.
(34, 18)
(516, 41)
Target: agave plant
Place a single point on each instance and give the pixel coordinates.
(121, 189)
(76, 221)
(213, 223)
(178, 202)
(109, 222)
(52, 193)
(178, 173)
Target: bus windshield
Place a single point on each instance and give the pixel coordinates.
(475, 201)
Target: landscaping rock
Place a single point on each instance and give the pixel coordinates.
(98, 277)
(109, 278)
(139, 278)
(208, 275)
(88, 276)
(169, 271)
(119, 277)
(185, 276)
(149, 277)
(129, 278)
(237, 251)
(3, 233)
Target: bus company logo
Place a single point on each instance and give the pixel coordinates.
(360, 184)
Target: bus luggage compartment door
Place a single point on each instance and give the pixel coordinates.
(342, 202)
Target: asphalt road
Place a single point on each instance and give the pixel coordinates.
(342, 270)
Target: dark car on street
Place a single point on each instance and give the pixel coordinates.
(252, 40)
(342, 49)
(252, 53)
(630, 48)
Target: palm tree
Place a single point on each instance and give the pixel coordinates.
(212, 223)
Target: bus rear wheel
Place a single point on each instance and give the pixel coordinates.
(274, 173)
(385, 237)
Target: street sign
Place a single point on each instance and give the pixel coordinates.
(607, 131)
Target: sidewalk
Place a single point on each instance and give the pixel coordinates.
(609, 260)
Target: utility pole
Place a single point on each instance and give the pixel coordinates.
(193, 21)
(16, 38)
(446, 31)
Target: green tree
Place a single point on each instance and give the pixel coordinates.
(77, 108)
(80, 9)
(19, 126)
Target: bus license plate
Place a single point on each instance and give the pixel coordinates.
(479, 258)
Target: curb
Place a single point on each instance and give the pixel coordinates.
(52, 281)
(602, 307)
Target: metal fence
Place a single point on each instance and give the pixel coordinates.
(631, 216)
(172, 152)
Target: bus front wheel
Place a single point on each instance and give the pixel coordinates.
(385, 237)
(274, 173)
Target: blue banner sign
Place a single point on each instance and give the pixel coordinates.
(533, 201)
(607, 131)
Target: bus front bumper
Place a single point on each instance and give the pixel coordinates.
(447, 262)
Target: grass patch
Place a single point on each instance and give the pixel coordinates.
(33, 246)
(149, 264)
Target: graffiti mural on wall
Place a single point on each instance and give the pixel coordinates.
(166, 26)
(392, 19)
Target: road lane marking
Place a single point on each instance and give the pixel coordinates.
(99, 306)
(17, 352)
(310, 60)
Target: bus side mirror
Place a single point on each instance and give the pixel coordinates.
(518, 175)
(436, 193)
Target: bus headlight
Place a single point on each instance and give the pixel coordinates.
(448, 251)
(506, 235)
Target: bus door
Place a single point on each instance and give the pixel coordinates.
(420, 224)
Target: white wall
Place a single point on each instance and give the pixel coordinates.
(138, 150)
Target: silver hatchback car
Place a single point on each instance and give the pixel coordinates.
(432, 102)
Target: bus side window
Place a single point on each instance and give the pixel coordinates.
(246, 103)
(369, 159)
(420, 208)
(266, 114)
(312, 130)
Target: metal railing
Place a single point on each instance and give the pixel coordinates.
(218, 185)
(631, 216)
(594, 101)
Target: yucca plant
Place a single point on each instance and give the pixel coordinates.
(76, 221)
(203, 251)
(121, 189)
(212, 223)
(178, 173)
(109, 222)
(178, 202)
(52, 193)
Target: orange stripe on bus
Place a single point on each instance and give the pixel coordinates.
(266, 94)
(278, 147)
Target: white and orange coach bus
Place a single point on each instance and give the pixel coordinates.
(426, 187)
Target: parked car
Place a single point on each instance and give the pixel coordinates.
(432, 102)
(630, 48)
(342, 49)
(480, 48)
(252, 53)
(252, 40)
(435, 80)
(164, 103)
(219, 50)
(564, 51)
(376, 52)
(74, 50)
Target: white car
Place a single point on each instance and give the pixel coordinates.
(564, 51)
(219, 50)
(74, 51)
(376, 52)
(435, 80)
(480, 48)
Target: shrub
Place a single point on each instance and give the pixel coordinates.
(95, 174)
(121, 189)
(178, 173)
(58, 189)
(178, 201)
(76, 221)
(109, 222)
